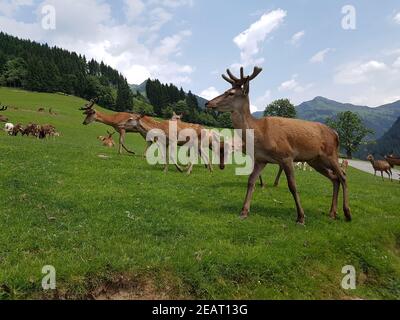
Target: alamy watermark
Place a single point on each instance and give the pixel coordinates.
(49, 280)
(49, 17)
(226, 147)
(349, 21)
(350, 278)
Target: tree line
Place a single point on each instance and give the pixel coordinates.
(37, 67)
(167, 98)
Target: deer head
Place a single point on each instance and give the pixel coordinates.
(89, 111)
(234, 99)
(370, 158)
(176, 117)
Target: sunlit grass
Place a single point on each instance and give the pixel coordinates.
(95, 218)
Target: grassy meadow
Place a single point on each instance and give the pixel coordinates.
(115, 225)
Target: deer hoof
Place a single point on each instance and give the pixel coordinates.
(244, 215)
(301, 223)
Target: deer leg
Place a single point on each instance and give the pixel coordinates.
(278, 177)
(390, 175)
(336, 186)
(343, 181)
(258, 168)
(262, 185)
(289, 171)
(122, 142)
(383, 179)
(206, 159)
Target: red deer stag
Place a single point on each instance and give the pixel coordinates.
(119, 121)
(284, 141)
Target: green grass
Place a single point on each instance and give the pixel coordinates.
(96, 220)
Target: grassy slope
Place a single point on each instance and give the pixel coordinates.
(121, 216)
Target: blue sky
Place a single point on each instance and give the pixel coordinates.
(302, 46)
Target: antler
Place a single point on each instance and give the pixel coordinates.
(4, 108)
(236, 82)
(89, 105)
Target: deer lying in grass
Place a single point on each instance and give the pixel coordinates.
(118, 121)
(108, 141)
(382, 166)
(284, 141)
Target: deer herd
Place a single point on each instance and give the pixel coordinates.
(288, 143)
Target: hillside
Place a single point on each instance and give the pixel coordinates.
(379, 119)
(388, 143)
(104, 221)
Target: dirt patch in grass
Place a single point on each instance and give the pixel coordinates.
(126, 288)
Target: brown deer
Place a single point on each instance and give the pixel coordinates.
(119, 121)
(108, 141)
(345, 165)
(146, 124)
(3, 118)
(393, 160)
(382, 166)
(284, 141)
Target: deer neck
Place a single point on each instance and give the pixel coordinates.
(243, 119)
(105, 119)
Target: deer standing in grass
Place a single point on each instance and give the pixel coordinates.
(382, 166)
(119, 121)
(146, 124)
(393, 160)
(284, 141)
(3, 118)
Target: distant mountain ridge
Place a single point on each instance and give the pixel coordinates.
(380, 119)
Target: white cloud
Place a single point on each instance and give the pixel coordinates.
(209, 93)
(297, 37)
(9, 7)
(397, 18)
(355, 73)
(319, 57)
(133, 9)
(261, 103)
(135, 49)
(176, 3)
(294, 85)
(396, 64)
(249, 40)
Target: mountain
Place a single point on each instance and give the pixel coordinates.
(139, 88)
(142, 89)
(379, 119)
(388, 143)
